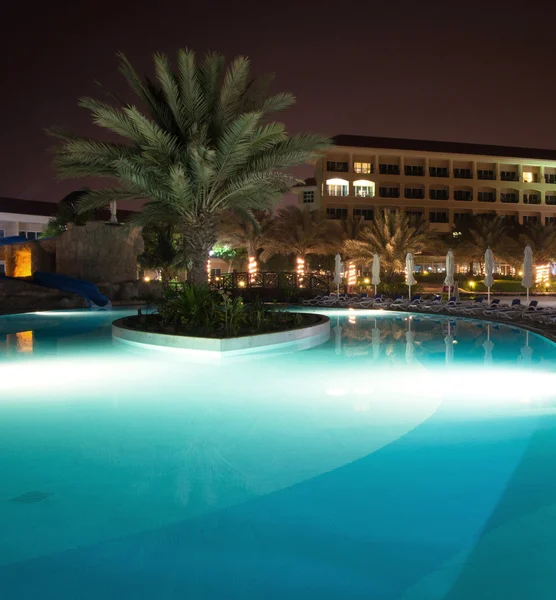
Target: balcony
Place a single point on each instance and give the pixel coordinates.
(531, 199)
(439, 194)
(366, 213)
(509, 176)
(438, 217)
(385, 192)
(509, 198)
(486, 197)
(414, 193)
(337, 166)
(463, 174)
(550, 178)
(385, 169)
(489, 175)
(463, 196)
(336, 213)
(363, 168)
(550, 200)
(414, 171)
(438, 172)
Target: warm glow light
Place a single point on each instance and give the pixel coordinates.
(208, 269)
(300, 266)
(241, 283)
(543, 275)
(146, 278)
(252, 265)
(366, 280)
(520, 273)
(352, 275)
(22, 341)
(527, 177)
(471, 284)
(22, 262)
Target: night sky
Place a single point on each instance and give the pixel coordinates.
(475, 71)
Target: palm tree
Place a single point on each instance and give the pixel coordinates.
(301, 232)
(163, 251)
(352, 228)
(203, 144)
(247, 233)
(392, 236)
(542, 239)
(483, 232)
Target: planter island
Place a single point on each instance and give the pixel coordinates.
(310, 330)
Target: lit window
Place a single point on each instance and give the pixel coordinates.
(362, 167)
(363, 188)
(308, 197)
(337, 187)
(527, 177)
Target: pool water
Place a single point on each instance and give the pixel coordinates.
(409, 457)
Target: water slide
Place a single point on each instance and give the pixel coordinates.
(82, 288)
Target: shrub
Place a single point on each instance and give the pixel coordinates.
(200, 310)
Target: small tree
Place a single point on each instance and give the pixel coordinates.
(300, 233)
(163, 251)
(391, 235)
(249, 233)
(542, 239)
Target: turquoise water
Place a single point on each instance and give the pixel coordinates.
(406, 458)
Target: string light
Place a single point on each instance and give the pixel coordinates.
(543, 275)
(352, 275)
(300, 266)
(252, 266)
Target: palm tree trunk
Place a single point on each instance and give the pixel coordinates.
(200, 237)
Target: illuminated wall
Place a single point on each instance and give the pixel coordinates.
(19, 264)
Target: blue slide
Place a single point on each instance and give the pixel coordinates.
(86, 289)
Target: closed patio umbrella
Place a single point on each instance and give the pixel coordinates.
(449, 280)
(337, 272)
(409, 344)
(489, 269)
(449, 342)
(527, 281)
(526, 351)
(409, 268)
(376, 271)
(375, 333)
(488, 346)
(338, 337)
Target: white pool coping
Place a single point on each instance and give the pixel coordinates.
(301, 338)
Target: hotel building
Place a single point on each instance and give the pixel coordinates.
(441, 181)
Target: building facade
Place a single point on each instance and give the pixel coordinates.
(443, 182)
(26, 218)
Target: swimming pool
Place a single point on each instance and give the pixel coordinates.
(410, 457)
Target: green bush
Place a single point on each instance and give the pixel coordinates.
(199, 310)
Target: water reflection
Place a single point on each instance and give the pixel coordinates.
(413, 340)
(357, 335)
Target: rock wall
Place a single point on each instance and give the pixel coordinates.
(19, 296)
(100, 253)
